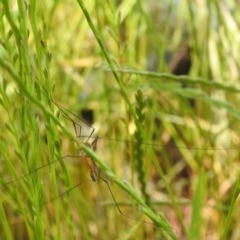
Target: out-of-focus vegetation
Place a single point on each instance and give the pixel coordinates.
(161, 79)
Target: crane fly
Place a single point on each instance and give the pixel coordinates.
(81, 132)
(93, 169)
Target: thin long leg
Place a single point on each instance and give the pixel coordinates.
(30, 173)
(93, 130)
(37, 169)
(75, 129)
(63, 193)
(94, 144)
(104, 180)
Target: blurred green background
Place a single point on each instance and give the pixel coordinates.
(159, 81)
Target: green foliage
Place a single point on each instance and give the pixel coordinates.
(138, 145)
(168, 143)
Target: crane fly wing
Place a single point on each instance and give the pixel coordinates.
(83, 131)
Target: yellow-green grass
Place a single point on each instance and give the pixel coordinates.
(168, 145)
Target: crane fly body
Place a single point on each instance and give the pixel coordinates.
(93, 169)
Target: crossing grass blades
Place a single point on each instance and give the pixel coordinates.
(89, 141)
